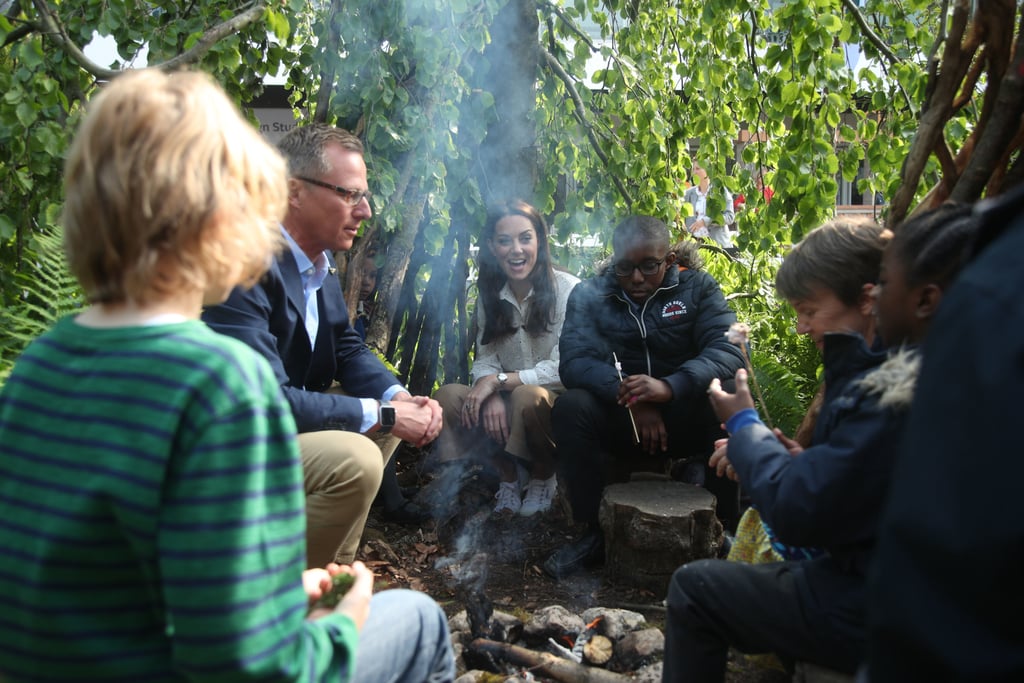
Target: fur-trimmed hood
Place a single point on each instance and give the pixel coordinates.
(688, 255)
(894, 380)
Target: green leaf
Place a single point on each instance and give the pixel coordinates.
(192, 39)
(30, 53)
(790, 93)
(26, 114)
(7, 228)
(831, 117)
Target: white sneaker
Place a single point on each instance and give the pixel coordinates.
(539, 494)
(508, 497)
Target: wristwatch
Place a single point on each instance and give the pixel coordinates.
(386, 417)
(502, 379)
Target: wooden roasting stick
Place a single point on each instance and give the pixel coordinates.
(618, 369)
(564, 670)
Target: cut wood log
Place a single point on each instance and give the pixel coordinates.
(598, 650)
(545, 663)
(652, 527)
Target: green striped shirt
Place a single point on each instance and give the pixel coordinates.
(152, 523)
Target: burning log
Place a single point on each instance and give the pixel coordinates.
(545, 663)
(598, 650)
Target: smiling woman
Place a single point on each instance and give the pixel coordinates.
(521, 307)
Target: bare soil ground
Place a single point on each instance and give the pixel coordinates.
(470, 550)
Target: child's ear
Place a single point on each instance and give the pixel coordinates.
(670, 258)
(928, 301)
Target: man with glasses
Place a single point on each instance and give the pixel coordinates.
(658, 318)
(297, 318)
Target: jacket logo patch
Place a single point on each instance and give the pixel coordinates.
(673, 309)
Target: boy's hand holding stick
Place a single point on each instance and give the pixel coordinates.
(618, 369)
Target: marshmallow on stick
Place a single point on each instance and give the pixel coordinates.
(618, 369)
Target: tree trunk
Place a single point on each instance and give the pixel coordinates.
(405, 328)
(413, 199)
(433, 311)
(458, 341)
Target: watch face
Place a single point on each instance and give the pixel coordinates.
(502, 378)
(387, 416)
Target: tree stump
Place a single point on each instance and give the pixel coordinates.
(652, 527)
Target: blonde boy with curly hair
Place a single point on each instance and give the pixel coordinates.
(152, 525)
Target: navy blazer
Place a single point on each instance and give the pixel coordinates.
(270, 318)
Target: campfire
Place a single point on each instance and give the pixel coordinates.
(557, 645)
(589, 645)
(600, 645)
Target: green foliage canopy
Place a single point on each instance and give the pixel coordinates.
(626, 95)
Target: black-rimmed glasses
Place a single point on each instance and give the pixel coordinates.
(625, 268)
(351, 197)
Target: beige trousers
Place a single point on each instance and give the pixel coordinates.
(341, 473)
(529, 422)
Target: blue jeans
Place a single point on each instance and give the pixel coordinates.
(405, 639)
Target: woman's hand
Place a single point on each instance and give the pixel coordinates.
(495, 419)
(484, 388)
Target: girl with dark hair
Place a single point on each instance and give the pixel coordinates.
(520, 310)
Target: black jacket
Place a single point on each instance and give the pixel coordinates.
(945, 594)
(678, 335)
(832, 494)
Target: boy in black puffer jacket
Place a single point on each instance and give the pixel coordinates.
(665, 322)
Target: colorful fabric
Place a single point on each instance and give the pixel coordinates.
(152, 515)
(789, 552)
(751, 544)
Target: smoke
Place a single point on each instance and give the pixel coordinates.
(467, 566)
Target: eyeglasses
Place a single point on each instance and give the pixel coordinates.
(625, 268)
(351, 197)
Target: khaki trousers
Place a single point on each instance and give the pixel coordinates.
(529, 422)
(341, 474)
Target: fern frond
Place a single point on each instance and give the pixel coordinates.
(787, 393)
(48, 292)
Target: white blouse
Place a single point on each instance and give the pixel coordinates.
(534, 358)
